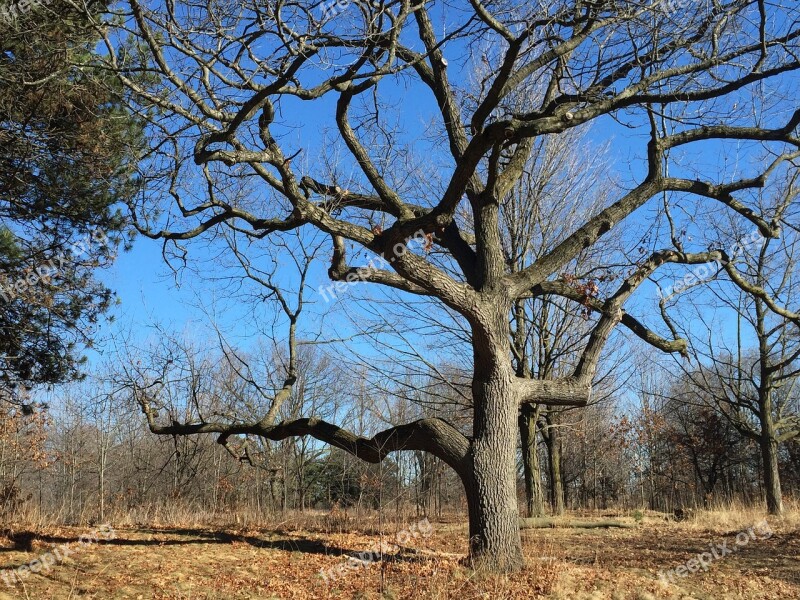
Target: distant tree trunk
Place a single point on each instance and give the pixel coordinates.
(553, 442)
(425, 493)
(768, 440)
(769, 458)
(534, 494)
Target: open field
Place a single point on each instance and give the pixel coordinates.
(285, 561)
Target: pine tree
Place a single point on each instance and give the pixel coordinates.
(67, 158)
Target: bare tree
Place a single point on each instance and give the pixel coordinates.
(223, 86)
(753, 381)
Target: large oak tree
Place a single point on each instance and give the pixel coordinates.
(245, 92)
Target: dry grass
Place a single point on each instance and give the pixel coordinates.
(231, 560)
(738, 516)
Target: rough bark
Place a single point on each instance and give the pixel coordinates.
(768, 440)
(495, 542)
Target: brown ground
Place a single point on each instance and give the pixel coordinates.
(617, 564)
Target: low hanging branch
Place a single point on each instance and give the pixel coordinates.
(433, 435)
(436, 436)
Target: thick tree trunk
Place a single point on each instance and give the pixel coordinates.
(557, 488)
(495, 542)
(534, 493)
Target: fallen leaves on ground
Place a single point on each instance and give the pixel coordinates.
(564, 564)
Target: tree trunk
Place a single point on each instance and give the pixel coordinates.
(491, 485)
(534, 494)
(772, 480)
(769, 453)
(553, 441)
